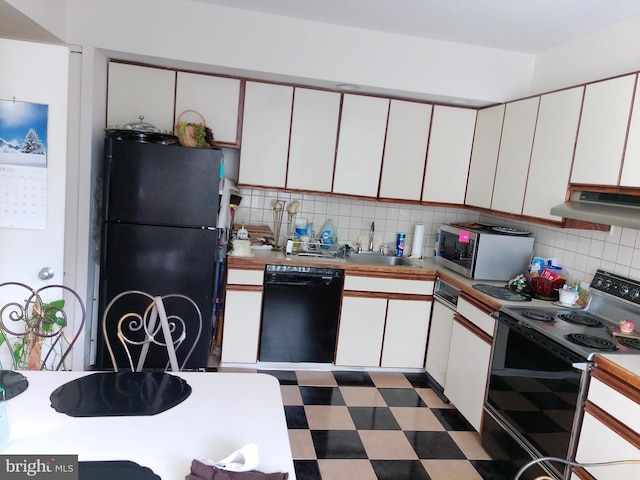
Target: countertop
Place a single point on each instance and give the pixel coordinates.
(424, 269)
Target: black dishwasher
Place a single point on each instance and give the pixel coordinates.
(300, 314)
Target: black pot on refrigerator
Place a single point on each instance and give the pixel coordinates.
(160, 208)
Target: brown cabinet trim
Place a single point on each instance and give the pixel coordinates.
(613, 423)
(473, 328)
(617, 378)
(387, 296)
(582, 474)
(477, 303)
(244, 288)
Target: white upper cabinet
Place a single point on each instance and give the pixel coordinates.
(515, 153)
(449, 154)
(603, 130)
(135, 91)
(312, 148)
(552, 153)
(217, 99)
(631, 166)
(265, 134)
(484, 156)
(360, 144)
(405, 150)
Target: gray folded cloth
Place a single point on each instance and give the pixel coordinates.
(201, 471)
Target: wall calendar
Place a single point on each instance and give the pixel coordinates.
(23, 164)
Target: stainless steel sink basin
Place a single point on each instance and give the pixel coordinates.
(382, 260)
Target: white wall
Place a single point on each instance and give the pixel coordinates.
(268, 46)
(606, 53)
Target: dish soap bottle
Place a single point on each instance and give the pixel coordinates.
(327, 234)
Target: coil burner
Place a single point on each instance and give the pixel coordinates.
(538, 316)
(632, 343)
(597, 343)
(580, 319)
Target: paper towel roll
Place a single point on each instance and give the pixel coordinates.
(418, 239)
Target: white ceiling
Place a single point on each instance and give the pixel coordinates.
(529, 26)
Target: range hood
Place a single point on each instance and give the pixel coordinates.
(617, 209)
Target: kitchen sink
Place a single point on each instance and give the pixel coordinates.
(382, 260)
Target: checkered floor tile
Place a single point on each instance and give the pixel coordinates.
(377, 426)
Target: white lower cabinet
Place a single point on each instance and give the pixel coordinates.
(241, 331)
(467, 371)
(380, 332)
(610, 428)
(361, 331)
(405, 333)
(439, 339)
(242, 316)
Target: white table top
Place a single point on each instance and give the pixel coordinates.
(224, 412)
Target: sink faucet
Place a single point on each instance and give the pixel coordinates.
(371, 230)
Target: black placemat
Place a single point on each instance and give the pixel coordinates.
(502, 293)
(13, 383)
(108, 394)
(113, 470)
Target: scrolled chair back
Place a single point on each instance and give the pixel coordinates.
(141, 322)
(36, 329)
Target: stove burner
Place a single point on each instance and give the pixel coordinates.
(580, 319)
(632, 343)
(590, 341)
(538, 316)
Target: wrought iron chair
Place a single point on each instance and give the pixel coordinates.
(37, 334)
(140, 322)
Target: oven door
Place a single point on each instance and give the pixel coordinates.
(534, 398)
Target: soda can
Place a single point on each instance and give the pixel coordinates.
(400, 244)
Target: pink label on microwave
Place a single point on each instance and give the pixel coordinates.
(464, 236)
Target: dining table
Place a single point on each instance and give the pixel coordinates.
(217, 413)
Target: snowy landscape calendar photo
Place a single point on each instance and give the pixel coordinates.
(23, 164)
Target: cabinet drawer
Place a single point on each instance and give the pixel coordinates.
(245, 277)
(479, 318)
(386, 285)
(615, 404)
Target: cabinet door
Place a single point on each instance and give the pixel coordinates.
(312, 149)
(217, 99)
(484, 157)
(599, 443)
(135, 91)
(449, 155)
(405, 150)
(631, 166)
(361, 331)
(552, 152)
(362, 127)
(515, 153)
(467, 373)
(405, 334)
(603, 130)
(439, 339)
(265, 134)
(241, 331)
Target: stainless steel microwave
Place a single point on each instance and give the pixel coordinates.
(484, 252)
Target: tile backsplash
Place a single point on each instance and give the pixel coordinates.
(580, 252)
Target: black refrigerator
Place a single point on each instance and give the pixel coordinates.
(160, 208)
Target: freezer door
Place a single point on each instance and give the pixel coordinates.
(157, 184)
(159, 261)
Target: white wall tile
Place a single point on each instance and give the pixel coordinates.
(580, 252)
